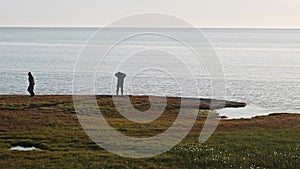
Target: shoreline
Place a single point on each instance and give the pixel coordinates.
(57, 104)
(204, 103)
(222, 105)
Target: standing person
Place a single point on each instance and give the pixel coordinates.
(120, 83)
(31, 84)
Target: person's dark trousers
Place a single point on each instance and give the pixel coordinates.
(30, 90)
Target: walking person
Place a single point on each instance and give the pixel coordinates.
(120, 82)
(31, 84)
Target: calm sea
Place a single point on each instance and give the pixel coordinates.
(261, 66)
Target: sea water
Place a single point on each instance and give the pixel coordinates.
(261, 66)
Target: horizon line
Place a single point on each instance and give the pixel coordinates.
(24, 26)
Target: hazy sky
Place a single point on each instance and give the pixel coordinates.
(201, 13)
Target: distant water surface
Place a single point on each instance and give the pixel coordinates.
(261, 66)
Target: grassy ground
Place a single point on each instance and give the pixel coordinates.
(50, 123)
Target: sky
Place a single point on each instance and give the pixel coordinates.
(200, 13)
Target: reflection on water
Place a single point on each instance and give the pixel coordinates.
(245, 112)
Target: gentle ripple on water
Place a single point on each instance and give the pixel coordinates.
(261, 70)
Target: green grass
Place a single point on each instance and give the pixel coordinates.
(266, 142)
(252, 149)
